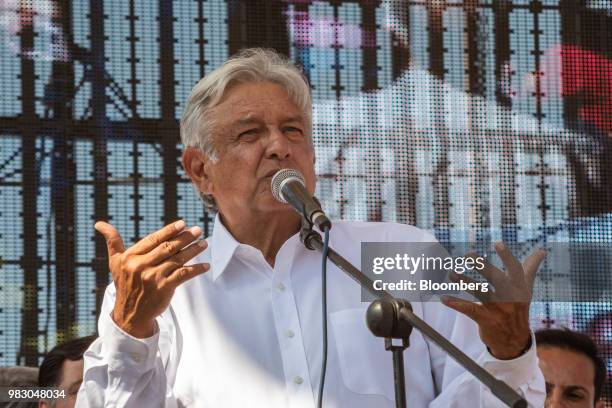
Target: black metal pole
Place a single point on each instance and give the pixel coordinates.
(312, 240)
(399, 378)
(30, 260)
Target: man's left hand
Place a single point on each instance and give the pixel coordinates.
(503, 315)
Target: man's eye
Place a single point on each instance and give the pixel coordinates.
(575, 396)
(249, 133)
(293, 130)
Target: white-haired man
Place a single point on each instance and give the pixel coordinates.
(248, 332)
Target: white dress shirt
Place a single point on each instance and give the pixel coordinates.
(245, 334)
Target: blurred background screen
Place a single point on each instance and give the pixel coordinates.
(477, 120)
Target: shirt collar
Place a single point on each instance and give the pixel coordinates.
(224, 246)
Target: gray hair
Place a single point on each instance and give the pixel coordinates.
(249, 65)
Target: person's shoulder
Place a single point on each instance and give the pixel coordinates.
(383, 231)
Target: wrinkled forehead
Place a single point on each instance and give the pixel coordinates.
(253, 102)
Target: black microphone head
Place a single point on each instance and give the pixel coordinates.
(281, 178)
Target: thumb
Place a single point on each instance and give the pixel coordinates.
(114, 242)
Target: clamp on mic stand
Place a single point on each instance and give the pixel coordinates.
(390, 318)
(384, 320)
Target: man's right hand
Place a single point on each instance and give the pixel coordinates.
(147, 273)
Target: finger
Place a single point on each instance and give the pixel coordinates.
(496, 277)
(514, 267)
(185, 273)
(180, 259)
(114, 242)
(480, 295)
(151, 241)
(172, 246)
(532, 264)
(472, 310)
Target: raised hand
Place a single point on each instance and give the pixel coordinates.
(503, 315)
(147, 273)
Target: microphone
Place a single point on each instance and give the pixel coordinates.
(288, 187)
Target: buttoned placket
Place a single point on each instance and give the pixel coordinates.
(289, 334)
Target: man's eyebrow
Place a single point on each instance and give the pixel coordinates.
(244, 122)
(293, 119)
(567, 387)
(253, 120)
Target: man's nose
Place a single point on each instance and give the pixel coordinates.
(278, 146)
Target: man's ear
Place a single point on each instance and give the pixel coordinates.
(600, 404)
(197, 166)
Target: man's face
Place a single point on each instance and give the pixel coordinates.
(570, 378)
(71, 377)
(257, 131)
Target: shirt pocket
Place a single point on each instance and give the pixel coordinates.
(365, 366)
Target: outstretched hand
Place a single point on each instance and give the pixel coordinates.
(503, 315)
(147, 273)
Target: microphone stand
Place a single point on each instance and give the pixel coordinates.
(393, 318)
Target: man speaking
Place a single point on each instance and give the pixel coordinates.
(235, 320)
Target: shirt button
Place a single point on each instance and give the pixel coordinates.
(136, 357)
(280, 286)
(290, 333)
(298, 380)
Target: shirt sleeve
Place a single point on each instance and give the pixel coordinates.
(123, 371)
(460, 389)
